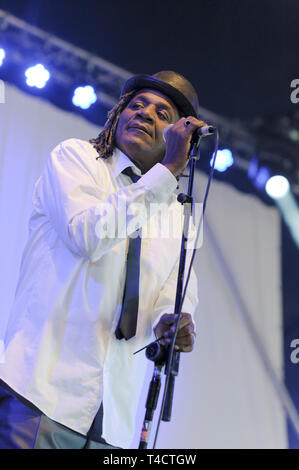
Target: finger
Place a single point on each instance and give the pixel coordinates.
(191, 123)
(185, 349)
(186, 330)
(182, 342)
(185, 343)
(186, 318)
(169, 318)
(185, 322)
(195, 122)
(179, 346)
(185, 340)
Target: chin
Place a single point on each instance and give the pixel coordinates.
(135, 147)
(140, 152)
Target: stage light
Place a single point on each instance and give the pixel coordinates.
(277, 186)
(2, 56)
(37, 76)
(262, 177)
(258, 174)
(84, 97)
(224, 159)
(253, 168)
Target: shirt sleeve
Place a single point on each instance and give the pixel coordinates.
(72, 193)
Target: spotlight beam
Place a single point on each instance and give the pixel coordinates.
(290, 212)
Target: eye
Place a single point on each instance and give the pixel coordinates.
(163, 115)
(136, 105)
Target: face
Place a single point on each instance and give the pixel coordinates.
(139, 132)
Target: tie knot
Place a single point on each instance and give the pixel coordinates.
(129, 172)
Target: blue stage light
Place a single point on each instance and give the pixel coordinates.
(277, 186)
(37, 76)
(262, 177)
(258, 174)
(84, 97)
(253, 168)
(224, 159)
(2, 56)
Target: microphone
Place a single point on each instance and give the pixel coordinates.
(200, 132)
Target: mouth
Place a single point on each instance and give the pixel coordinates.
(141, 128)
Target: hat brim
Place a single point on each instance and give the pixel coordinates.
(138, 82)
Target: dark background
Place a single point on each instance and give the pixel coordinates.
(241, 55)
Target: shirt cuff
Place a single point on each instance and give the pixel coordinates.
(160, 181)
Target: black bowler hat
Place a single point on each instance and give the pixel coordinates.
(172, 84)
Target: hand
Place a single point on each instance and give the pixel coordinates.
(186, 335)
(178, 141)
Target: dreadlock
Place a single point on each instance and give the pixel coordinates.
(104, 143)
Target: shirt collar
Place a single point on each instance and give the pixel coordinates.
(120, 161)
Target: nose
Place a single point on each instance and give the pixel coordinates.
(146, 113)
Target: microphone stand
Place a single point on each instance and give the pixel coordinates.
(167, 355)
(157, 353)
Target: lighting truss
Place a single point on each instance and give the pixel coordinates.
(70, 65)
(67, 63)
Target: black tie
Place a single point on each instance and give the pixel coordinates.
(127, 323)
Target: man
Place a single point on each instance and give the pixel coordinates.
(74, 326)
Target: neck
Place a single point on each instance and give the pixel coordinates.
(141, 168)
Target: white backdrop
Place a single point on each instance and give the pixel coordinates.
(223, 397)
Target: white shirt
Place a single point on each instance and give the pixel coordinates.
(61, 352)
